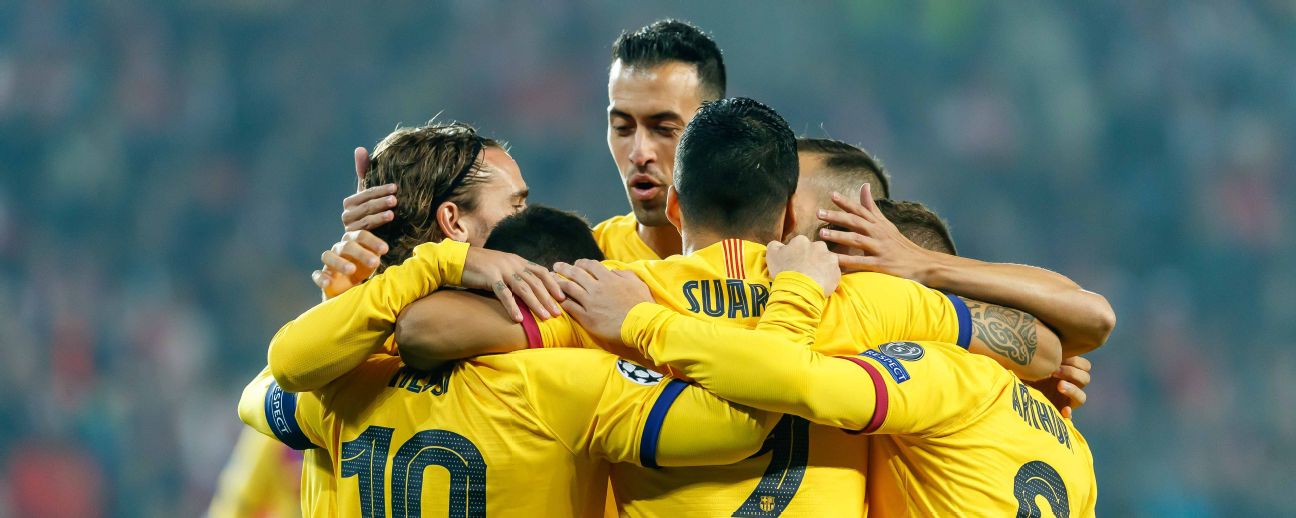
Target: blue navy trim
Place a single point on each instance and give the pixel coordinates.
(893, 366)
(281, 414)
(964, 320)
(656, 416)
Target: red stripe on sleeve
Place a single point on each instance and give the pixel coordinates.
(879, 388)
(534, 341)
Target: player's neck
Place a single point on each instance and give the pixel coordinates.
(695, 240)
(662, 239)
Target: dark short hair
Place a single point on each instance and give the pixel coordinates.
(674, 40)
(920, 224)
(430, 165)
(735, 166)
(851, 165)
(545, 235)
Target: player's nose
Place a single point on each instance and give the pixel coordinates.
(642, 152)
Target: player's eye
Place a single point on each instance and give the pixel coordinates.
(623, 130)
(667, 131)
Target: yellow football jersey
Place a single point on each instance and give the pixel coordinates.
(957, 433)
(805, 470)
(618, 238)
(526, 434)
(729, 282)
(260, 479)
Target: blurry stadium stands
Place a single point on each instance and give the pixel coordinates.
(170, 172)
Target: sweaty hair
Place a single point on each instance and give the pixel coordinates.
(545, 235)
(850, 166)
(430, 165)
(735, 167)
(674, 40)
(920, 224)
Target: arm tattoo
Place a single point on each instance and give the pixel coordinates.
(1008, 332)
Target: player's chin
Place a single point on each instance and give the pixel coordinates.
(650, 212)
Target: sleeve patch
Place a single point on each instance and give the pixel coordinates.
(893, 366)
(653, 426)
(638, 374)
(281, 414)
(964, 320)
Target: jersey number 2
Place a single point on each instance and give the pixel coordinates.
(365, 457)
(1035, 479)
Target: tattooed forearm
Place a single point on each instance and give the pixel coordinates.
(1006, 331)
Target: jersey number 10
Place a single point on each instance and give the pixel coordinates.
(365, 457)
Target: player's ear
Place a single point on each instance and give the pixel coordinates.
(672, 208)
(451, 222)
(790, 222)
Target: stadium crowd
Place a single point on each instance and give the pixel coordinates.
(171, 173)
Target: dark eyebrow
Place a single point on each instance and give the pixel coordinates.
(656, 117)
(522, 194)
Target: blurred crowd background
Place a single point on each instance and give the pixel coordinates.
(171, 171)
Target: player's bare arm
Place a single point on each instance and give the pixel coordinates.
(451, 325)
(1082, 319)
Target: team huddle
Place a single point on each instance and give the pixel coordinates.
(767, 333)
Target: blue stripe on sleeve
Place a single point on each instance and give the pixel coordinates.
(281, 413)
(964, 320)
(656, 416)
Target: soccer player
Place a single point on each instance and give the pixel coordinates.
(957, 434)
(459, 185)
(660, 74)
(487, 427)
(734, 180)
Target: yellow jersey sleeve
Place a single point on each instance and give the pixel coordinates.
(766, 370)
(926, 388)
(758, 368)
(600, 405)
(335, 336)
(881, 308)
(291, 418)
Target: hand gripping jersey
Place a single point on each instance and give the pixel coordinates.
(955, 433)
(529, 433)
